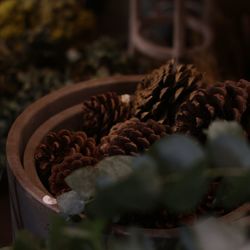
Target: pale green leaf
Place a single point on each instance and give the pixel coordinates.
(177, 152)
(85, 180)
(222, 127)
(70, 203)
(229, 151)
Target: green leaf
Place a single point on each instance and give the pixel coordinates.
(65, 236)
(144, 161)
(88, 235)
(221, 127)
(83, 181)
(138, 192)
(114, 168)
(233, 191)
(25, 241)
(56, 240)
(184, 190)
(212, 234)
(177, 152)
(106, 172)
(70, 203)
(229, 151)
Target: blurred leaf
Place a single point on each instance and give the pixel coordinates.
(187, 238)
(70, 203)
(211, 234)
(184, 191)
(56, 239)
(177, 152)
(25, 241)
(83, 181)
(65, 236)
(144, 161)
(221, 127)
(229, 151)
(88, 235)
(233, 191)
(115, 168)
(137, 192)
(106, 172)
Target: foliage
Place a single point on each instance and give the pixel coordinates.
(22, 83)
(210, 234)
(39, 32)
(105, 173)
(28, 86)
(123, 184)
(175, 173)
(34, 19)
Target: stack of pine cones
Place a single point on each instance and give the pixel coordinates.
(171, 99)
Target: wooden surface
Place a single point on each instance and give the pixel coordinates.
(5, 223)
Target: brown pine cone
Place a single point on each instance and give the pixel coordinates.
(227, 101)
(57, 145)
(131, 137)
(103, 111)
(245, 121)
(160, 93)
(57, 185)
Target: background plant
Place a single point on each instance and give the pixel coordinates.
(20, 86)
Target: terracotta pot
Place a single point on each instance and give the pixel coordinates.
(29, 208)
(31, 203)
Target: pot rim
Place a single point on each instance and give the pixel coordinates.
(37, 137)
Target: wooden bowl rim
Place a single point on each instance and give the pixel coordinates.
(37, 137)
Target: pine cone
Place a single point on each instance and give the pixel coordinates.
(227, 101)
(57, 145)
(101, 112)
(131, 137)
(57, 185)
(160, 93)
(245, 121)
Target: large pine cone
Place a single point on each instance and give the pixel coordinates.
(57, 185)
(131, 137)
(103, 111)
(160, 93)
(57, 145)
(227, 101)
